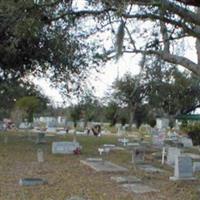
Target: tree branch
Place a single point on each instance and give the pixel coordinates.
(171, 58)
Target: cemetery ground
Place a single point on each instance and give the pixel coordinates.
(67, 176)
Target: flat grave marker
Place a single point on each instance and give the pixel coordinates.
(32, 181)
(65, 147)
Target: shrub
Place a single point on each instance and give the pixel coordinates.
(193, 131)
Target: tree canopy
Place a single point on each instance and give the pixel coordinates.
(37, 40)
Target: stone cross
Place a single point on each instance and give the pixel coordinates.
(163, 155)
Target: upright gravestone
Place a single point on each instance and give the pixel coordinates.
(172, 154)
(183, 169)
(40, 155)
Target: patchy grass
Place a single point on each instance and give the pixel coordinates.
(68, 177)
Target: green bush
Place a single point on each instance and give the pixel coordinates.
(193, 131)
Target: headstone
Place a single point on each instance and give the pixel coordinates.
(183, 169)
(196, 166)
(65, 147)
(138, 188)
(32, 181)
(40, 155)
(187, 142)
(172, 153)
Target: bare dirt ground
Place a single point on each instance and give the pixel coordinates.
(67, 177)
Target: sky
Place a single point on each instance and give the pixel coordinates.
(101, 81)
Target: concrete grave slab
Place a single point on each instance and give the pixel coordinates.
(126, 179)
(104, 166)
(150, 168)
(138, 188)
(64, 147)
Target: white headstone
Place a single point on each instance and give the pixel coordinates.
(183, 169)
(64, 147)
(172, 154)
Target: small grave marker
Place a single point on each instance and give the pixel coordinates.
(40, 155)
(32, 181)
